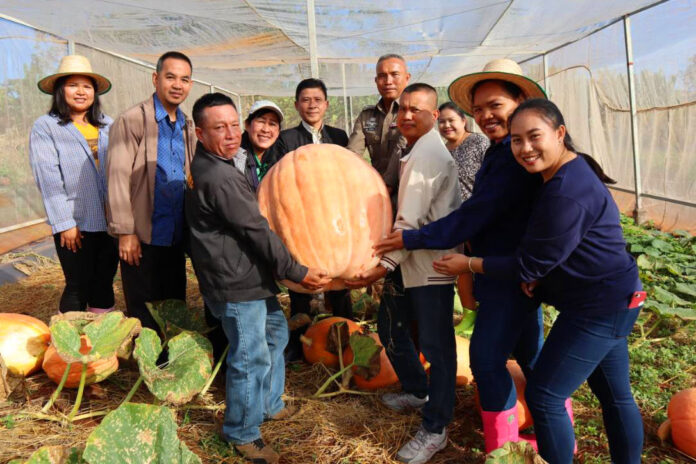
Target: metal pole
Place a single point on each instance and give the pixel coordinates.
(312, 33)
(638, 211)
(546, 75)
(345, 99)
(239, 107)
(71, 47)
(212, 88)
(350, 104)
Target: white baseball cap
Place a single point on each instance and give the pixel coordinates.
(265, 104)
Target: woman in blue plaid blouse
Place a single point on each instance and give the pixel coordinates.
(67, 152)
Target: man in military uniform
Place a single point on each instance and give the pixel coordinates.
(375, 128)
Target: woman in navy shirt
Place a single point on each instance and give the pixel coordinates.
(574, 257)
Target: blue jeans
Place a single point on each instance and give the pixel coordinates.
(593, 348)
(507, 322)
(257, 332)
(431, 308)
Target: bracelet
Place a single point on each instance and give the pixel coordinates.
(470, 268)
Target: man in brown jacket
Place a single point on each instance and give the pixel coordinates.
(150, 150)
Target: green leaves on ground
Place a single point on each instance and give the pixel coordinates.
(188, 369)
(53, 455)
(138, 433)
(108, 334)
(173, 317)
(514, 453)
(466, 327)
(366, 355)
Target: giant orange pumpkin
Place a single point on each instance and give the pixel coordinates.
(385, 377)
(23, 342)
(329, 206)
(682, 420)
(315, 341)
(54, 366)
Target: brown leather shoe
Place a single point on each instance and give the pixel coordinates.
(286, 413)
(258, 452)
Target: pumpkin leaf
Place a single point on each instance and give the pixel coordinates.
(365, 350)
(514, 453)
(138, 433)
(53, 455)
(107, 333)
(188, 369)
(685, 289)
(173, 316)
(337, 331)
(666, 310)
(665, 296)
(644, 262)
(466, 327)
(8, 382)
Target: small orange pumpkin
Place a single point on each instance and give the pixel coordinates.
(384, 378)
(54, 366)
(316, 342)
(682, 420)
(23, 342)
(524, 417)
(329, 206)
(464, 375)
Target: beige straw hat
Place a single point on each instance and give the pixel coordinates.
(74, 64)
(503, 69)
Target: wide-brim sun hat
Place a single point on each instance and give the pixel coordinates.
(74, 65)
(265, 104)
(502, 69)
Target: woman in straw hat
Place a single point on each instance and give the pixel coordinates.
(493, 220)
(575, 253)
(67, 152)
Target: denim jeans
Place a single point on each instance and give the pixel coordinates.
(507, 322)
(255, 380)
(594, 348)
(431, 308)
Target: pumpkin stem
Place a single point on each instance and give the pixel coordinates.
(215, 371)
(306, 340)
(328, 382)
(57, 391)
(133, 390)
(80, 392)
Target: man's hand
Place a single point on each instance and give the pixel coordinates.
(366, 278)
(71, 239)
(452, 264)
(315, 279)
(529, 287)
(129, 249)
(393, 241)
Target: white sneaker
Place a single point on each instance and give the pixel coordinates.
(422, 447)
(401, 402)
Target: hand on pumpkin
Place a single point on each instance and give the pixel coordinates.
(529, 287)
(452, 264)
(393, 241)
(71, 239)
(315, 279)
(365, 278)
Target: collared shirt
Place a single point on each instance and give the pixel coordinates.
(168, 213)
(239, 159)
(316, 134)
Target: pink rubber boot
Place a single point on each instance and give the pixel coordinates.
(499, 427)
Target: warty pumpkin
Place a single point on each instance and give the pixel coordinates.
(54, 366)
(329, 206)
(319, 343)
(23, 342)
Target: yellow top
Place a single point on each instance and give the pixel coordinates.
(91, 134)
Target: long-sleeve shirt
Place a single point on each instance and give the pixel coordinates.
(574, 245)
(72, 184)
(494, 218)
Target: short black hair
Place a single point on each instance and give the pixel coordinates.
(512, 89)
(451, 106)
(61, 110)
(310, 83)
(174, 55)
(209, 100)
(421, 87)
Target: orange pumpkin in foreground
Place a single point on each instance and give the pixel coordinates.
(316, 339)
(682, 421)
(23, 342)
(54, 366)
(329, 206)
(384, 378)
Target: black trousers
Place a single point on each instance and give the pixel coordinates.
(89, 272)
(161, 275)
